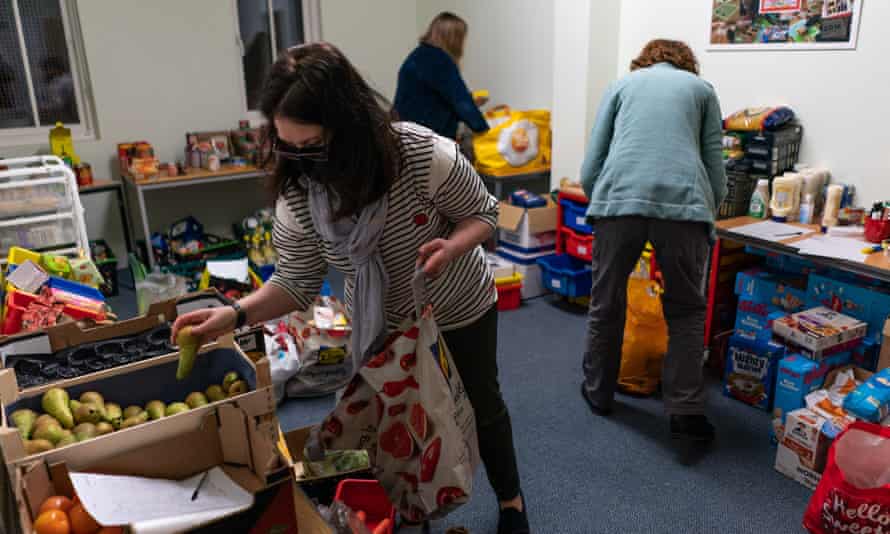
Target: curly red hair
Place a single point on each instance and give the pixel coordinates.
(677, 53)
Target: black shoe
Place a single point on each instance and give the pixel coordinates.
(594, 407)
(692, 428)
(512, 521)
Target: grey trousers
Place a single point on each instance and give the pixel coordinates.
(682, 250)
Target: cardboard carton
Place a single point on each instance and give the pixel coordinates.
(819, 329)
(230, 435)
(797, 376)
(751, 371)
(138, 383)
(868, 304)
(804, 435)
(780, 291)
(788, 463)
(884, 359)
(527, 229)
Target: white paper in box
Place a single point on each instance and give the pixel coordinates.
(819, 329)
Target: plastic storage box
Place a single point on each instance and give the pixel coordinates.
(21, 198)
(579, 246)
(509, 292)
(773, 153)
(37, 233)
(740, 186)
(574, 215)
(565, 275)
(367, 496)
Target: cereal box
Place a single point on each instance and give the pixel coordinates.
(819, 329)
(796, 377)
(751, 371)
(803, 449)
(784, 292)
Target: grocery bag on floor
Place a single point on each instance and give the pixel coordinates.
(854, 492)
(408, 407)
(645, 338)
(325, 362)
(518, 142)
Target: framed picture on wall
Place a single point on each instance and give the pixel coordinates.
(783, 24)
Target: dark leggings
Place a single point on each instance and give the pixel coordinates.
(474, 349)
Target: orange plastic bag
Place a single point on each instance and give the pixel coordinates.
(645, 338)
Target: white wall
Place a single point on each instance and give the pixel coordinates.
(376, 36)
(840, 96)
(509, 49)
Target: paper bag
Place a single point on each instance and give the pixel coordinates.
(325, 362)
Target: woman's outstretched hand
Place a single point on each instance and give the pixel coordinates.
(208, 323)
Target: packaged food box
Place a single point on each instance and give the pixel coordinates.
(796, 377)
(871, 400)
(527, 230)
(819, 329)
(866, 355)
(754, 320)
(784, 292)
(868, 304)
(803, 449)
(750, 374)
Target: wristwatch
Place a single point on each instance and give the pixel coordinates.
(240, 317)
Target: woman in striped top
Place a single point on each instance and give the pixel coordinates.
(378, 200)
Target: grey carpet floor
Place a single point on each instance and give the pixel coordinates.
(622, 474)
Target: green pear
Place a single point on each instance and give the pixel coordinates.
(131, 411)
(85, 431)
(92, 397)
(215, 393)
(196, 399)
(45, 419)
(49, 432)
(36, 446)
(189, 344)
(24, 420)
(68, 438)
(155, 409)
(55, 403)
(237, 388)
(230, 378)
(104, 427)
(177, 407)
(74, 405)
(88, 413)
(135, 420)
(114, 414)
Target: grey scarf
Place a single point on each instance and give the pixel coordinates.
(358, 240)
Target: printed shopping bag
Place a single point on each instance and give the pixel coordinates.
(645, 338)
(325, 361)
(854, 492)
(518, 142)
(408, 407)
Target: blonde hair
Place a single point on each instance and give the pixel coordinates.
(448, 32)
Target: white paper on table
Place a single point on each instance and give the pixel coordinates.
(770, 231)
(157, 506)
(826, 246)
(236, 270)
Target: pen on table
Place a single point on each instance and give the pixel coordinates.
(789, 234)
(200, 483)
(872, 249)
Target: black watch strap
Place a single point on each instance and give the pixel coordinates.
(241, 315)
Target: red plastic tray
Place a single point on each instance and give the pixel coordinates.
(369, 497)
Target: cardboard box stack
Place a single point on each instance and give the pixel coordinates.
(524, 235)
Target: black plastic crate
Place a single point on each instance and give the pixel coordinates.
(106, 262)
(773, 153)
(740, 186)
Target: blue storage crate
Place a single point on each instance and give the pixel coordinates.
(565, 275)
(75, 288)
(574, 215)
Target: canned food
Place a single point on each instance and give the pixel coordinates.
(84, 174)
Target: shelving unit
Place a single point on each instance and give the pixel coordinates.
(40, 207)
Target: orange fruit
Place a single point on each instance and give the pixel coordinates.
(56, 502)
(52, 522)
(82, 522)
(111, 530)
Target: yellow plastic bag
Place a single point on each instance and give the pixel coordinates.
(645, 338)
(517, 143)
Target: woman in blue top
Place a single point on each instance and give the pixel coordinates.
(654, 172)
(431, 90)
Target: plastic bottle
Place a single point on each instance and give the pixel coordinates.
(807, 208)
(832, 206)
(759, 207)
(269, 250)
(786, 197)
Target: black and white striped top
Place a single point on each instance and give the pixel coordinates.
(437, 188)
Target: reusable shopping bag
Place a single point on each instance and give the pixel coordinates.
(645, 338)
(324, 357)
(854, 492)
(518, 142)
(408, 408)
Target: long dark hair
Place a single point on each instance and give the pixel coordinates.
(316, 84)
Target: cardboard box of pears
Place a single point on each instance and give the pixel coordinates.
(135, 419)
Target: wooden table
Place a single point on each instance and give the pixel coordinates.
(195, 177)
(116, 187)
(877, 265)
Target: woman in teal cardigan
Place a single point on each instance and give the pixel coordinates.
(654, 172)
